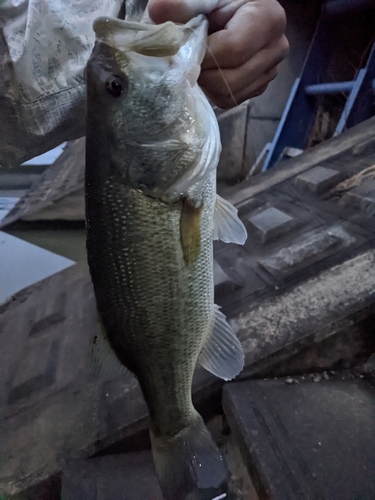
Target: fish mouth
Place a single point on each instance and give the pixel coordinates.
(145, 38)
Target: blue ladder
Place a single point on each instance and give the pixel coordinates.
(301, 108)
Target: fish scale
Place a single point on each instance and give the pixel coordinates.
(145, 280)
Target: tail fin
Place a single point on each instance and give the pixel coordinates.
(189, 465)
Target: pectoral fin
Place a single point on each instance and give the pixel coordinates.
(223, 354)
(190, 230)
(227, 226)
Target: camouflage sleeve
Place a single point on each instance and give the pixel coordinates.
(44, 46)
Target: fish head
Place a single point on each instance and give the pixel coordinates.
(142, 92)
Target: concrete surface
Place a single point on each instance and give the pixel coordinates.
(306, 438)
(23, 264)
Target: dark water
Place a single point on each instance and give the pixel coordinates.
(68, 240)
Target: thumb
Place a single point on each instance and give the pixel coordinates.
(179, 11)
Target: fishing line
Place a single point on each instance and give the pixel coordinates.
(222, 75)
(220, 71)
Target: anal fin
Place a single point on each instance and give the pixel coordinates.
(227, 225)
(103, 362)
(223, 354)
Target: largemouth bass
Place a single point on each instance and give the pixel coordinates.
(152, 213)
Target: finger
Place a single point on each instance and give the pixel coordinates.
(229, 103)
(230, 100)
(179, 11)
(246, 33)
(219, 80)
(224, 12)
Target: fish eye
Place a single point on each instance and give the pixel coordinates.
(114, 85)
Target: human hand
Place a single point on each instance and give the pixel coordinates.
(246, 43)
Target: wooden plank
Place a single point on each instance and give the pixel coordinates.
(233, 125)
(352, 143)
(64, 177)
(70, 207)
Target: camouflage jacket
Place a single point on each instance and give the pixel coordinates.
(44, 46)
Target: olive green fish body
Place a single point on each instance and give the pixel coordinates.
(152, 213)
(156, 312)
